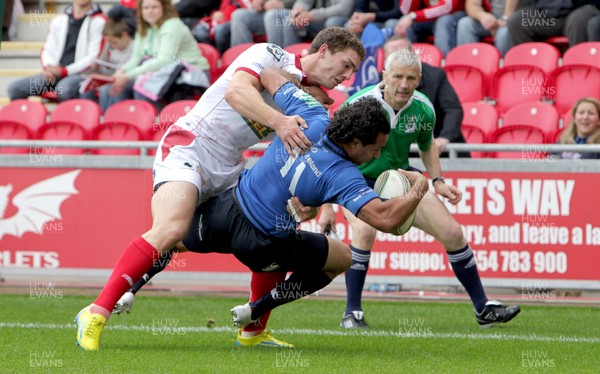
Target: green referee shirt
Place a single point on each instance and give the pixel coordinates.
(413, 123)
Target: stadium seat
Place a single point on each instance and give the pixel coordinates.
(538, 114)
(212, 56)
(429, 53)
(540, 55)
(298, 49)
(474, 57)
(566, 118)
(480, 120)
(231, 54)
(168, 115)
(517, 84)
(71, 120)
(20, 120)
(570, 83)
(30, 114)
(469, 83)
(339, 97)
(82, 112)
(128, 120)
(583, 54)
(521, 134)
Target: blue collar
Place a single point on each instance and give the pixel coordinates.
(330, 145)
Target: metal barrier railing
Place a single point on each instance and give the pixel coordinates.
(452, 148)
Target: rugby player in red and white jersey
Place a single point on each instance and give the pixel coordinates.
(201, 154)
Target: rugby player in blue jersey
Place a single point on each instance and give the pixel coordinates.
(251, 221)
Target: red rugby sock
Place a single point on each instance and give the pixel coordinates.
(135, 261)
(260, 284)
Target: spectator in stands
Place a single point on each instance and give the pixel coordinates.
(384, 13)
(549, 18)
(117, 51)
(7, 18)
(305, 20)
(248, 23)
(162, 42)
(216, 29)
(74, 40)
(435, 85)
(421, 18)
(583, 129)
(486, 18)
(125, 10)
(192, 11)
(580, 27)
(593, 29)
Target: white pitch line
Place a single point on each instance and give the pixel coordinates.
(426, 335)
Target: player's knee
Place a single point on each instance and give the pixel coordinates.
(170, 235)
(339, 258)
(365, 232)
(453, 237)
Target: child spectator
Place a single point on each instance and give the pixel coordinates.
(117, 51)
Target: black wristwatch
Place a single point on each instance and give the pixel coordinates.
(436, 179)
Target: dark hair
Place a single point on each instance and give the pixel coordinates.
(363, 119)
(337, 39)
(169, 12)
(115, 26)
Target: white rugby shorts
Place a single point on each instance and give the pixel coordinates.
(181, 157)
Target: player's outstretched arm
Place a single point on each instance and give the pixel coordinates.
(387, 215)
(244, 97)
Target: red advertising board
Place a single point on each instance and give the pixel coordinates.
(521, 225)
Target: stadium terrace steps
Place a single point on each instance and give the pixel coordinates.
(9, 75)
(20, 55)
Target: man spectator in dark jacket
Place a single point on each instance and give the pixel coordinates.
(435, 85)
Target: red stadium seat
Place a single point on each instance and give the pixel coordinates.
(128, 120)
(583, 54)
(539, 55)
(30, 114)
(71, 120)
(20, 120)
(572, 82)
(469, 83)
(480, 120)
(477, 57)
(85, 113)
(518, 84)
(298, 49)
(429, 53)
(538, 114)
(339, 97)
(231, 54)
(168, 115)
(212, 56)
(566, 119)
(520, 134)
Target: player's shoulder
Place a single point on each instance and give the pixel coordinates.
(268, 52)
(422, 102)
(369, 91)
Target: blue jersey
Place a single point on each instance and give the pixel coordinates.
(322, 175)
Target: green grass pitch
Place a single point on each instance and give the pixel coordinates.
(170, 335)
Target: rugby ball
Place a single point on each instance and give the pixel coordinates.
(392, 183)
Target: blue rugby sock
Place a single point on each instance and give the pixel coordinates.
(465, 268)
(355, 279)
